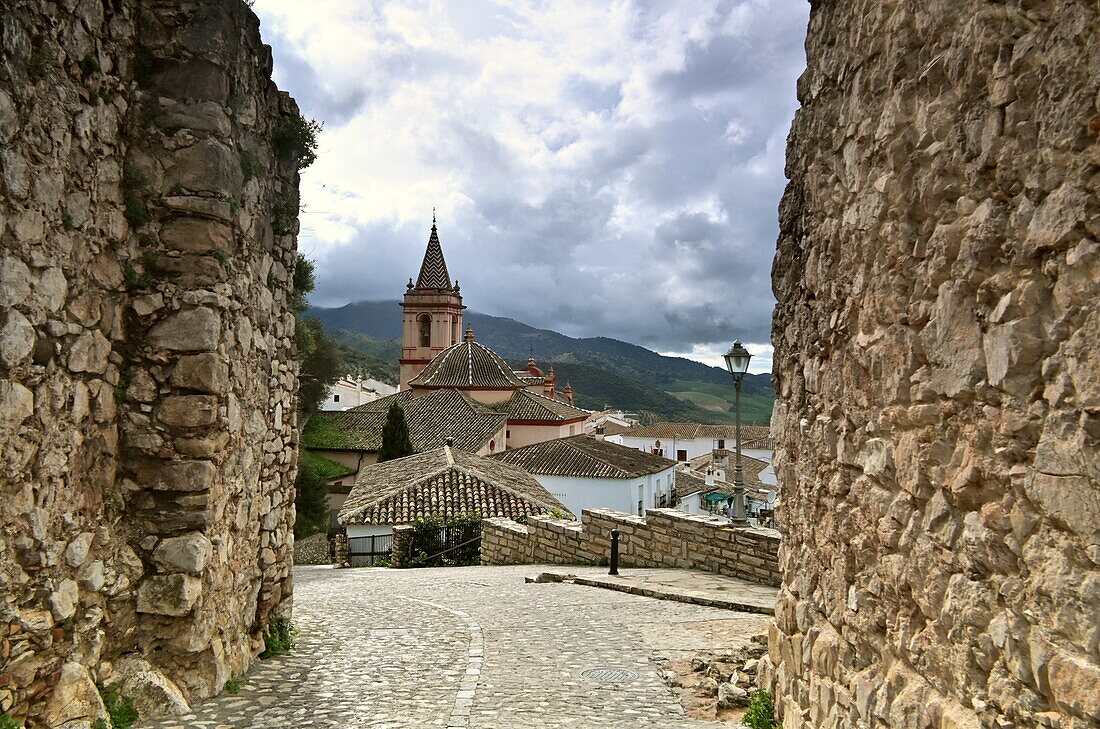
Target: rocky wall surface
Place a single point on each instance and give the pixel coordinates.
(664, 538)
(938, 387)
(147, 372)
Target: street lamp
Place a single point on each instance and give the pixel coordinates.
(737, 362)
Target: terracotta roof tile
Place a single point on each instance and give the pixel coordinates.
(443, 483)
(525, 405)
(468, 364)
(432, 418)
(689, 431)
(584, 456)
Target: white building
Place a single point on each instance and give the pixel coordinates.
(586, 473)
(684, 442)
(712, 476)
(349, 392)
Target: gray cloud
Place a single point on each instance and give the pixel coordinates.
(657, 228)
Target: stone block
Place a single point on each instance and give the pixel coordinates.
(75, 700)
(197, 235)
(189, 329)
(188, 411)
(177, 475)
(186, 553)
(168, 594)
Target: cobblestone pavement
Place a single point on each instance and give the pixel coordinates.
(468, 647)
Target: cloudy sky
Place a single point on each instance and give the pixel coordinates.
(603, 168)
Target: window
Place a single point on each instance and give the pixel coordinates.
(641, 508)
(425, 330)
(336, 398)
(681, 455)
(721, 444)
(507, 434)
(492, 446)
(657, 451)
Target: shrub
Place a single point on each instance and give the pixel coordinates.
(761, 713)
(136, 213)
(295, 138)
(233, 685)
(119, 708)
(284, 214)
(6, 722)
(279, 638)
(250, 165)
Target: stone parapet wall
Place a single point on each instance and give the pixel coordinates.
(664, 538)
(147, 362)
(937, 378)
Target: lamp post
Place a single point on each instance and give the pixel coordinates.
(737, 362)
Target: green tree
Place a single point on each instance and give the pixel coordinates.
(319, 360)
(395, 436)
(310, 498)
(319, 365)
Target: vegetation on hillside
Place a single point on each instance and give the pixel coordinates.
(603, 371)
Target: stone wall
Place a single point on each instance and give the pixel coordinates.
(664, 538)
(147, 373)
(936, 335)
(313, 550)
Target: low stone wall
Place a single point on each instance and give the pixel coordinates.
(312, 550)
(664, 538)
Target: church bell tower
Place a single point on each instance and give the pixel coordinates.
(433, 312)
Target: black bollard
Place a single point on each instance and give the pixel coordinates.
(614, 552)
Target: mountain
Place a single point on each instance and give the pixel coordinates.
(603, 371)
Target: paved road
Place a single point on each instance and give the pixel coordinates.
(469, 647)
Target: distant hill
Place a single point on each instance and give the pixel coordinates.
(603, 371)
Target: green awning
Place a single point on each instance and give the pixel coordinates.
(715, 496)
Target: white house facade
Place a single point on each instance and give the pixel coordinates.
(349, 392)
(583, 472)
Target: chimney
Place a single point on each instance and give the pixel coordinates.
(710, 476)
(599, 432)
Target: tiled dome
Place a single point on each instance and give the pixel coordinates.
(468, 365)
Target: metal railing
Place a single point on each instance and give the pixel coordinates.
(368, 551)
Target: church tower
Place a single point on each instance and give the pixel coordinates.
(433, 312)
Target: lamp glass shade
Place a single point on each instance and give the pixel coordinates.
(737, 359)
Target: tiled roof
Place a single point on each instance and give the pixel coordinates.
(615, 429)
(690, 431)
(585, 457)
(443, 483)
(526, 405)
(468, 364)
(432, 418)
(689, 483)
(433, 270)
(751, 466)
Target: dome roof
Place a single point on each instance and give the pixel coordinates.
(467, 365)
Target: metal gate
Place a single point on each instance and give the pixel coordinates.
(455, 544)
(367, 551)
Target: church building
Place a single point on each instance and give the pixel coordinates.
(438, 354)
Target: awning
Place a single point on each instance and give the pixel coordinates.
(715, 496)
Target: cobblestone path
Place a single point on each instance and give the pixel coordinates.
(468, 647)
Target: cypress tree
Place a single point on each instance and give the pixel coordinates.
(395, 436)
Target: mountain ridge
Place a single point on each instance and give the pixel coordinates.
(674, 387)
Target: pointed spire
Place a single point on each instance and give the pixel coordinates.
(433, 271)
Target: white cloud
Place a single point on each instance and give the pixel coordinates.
(600, 168)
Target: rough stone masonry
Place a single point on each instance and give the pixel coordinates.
(937, 334)
(147, 371)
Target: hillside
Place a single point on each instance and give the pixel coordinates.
(603, 371)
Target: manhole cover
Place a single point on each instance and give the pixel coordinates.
(609, 675)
